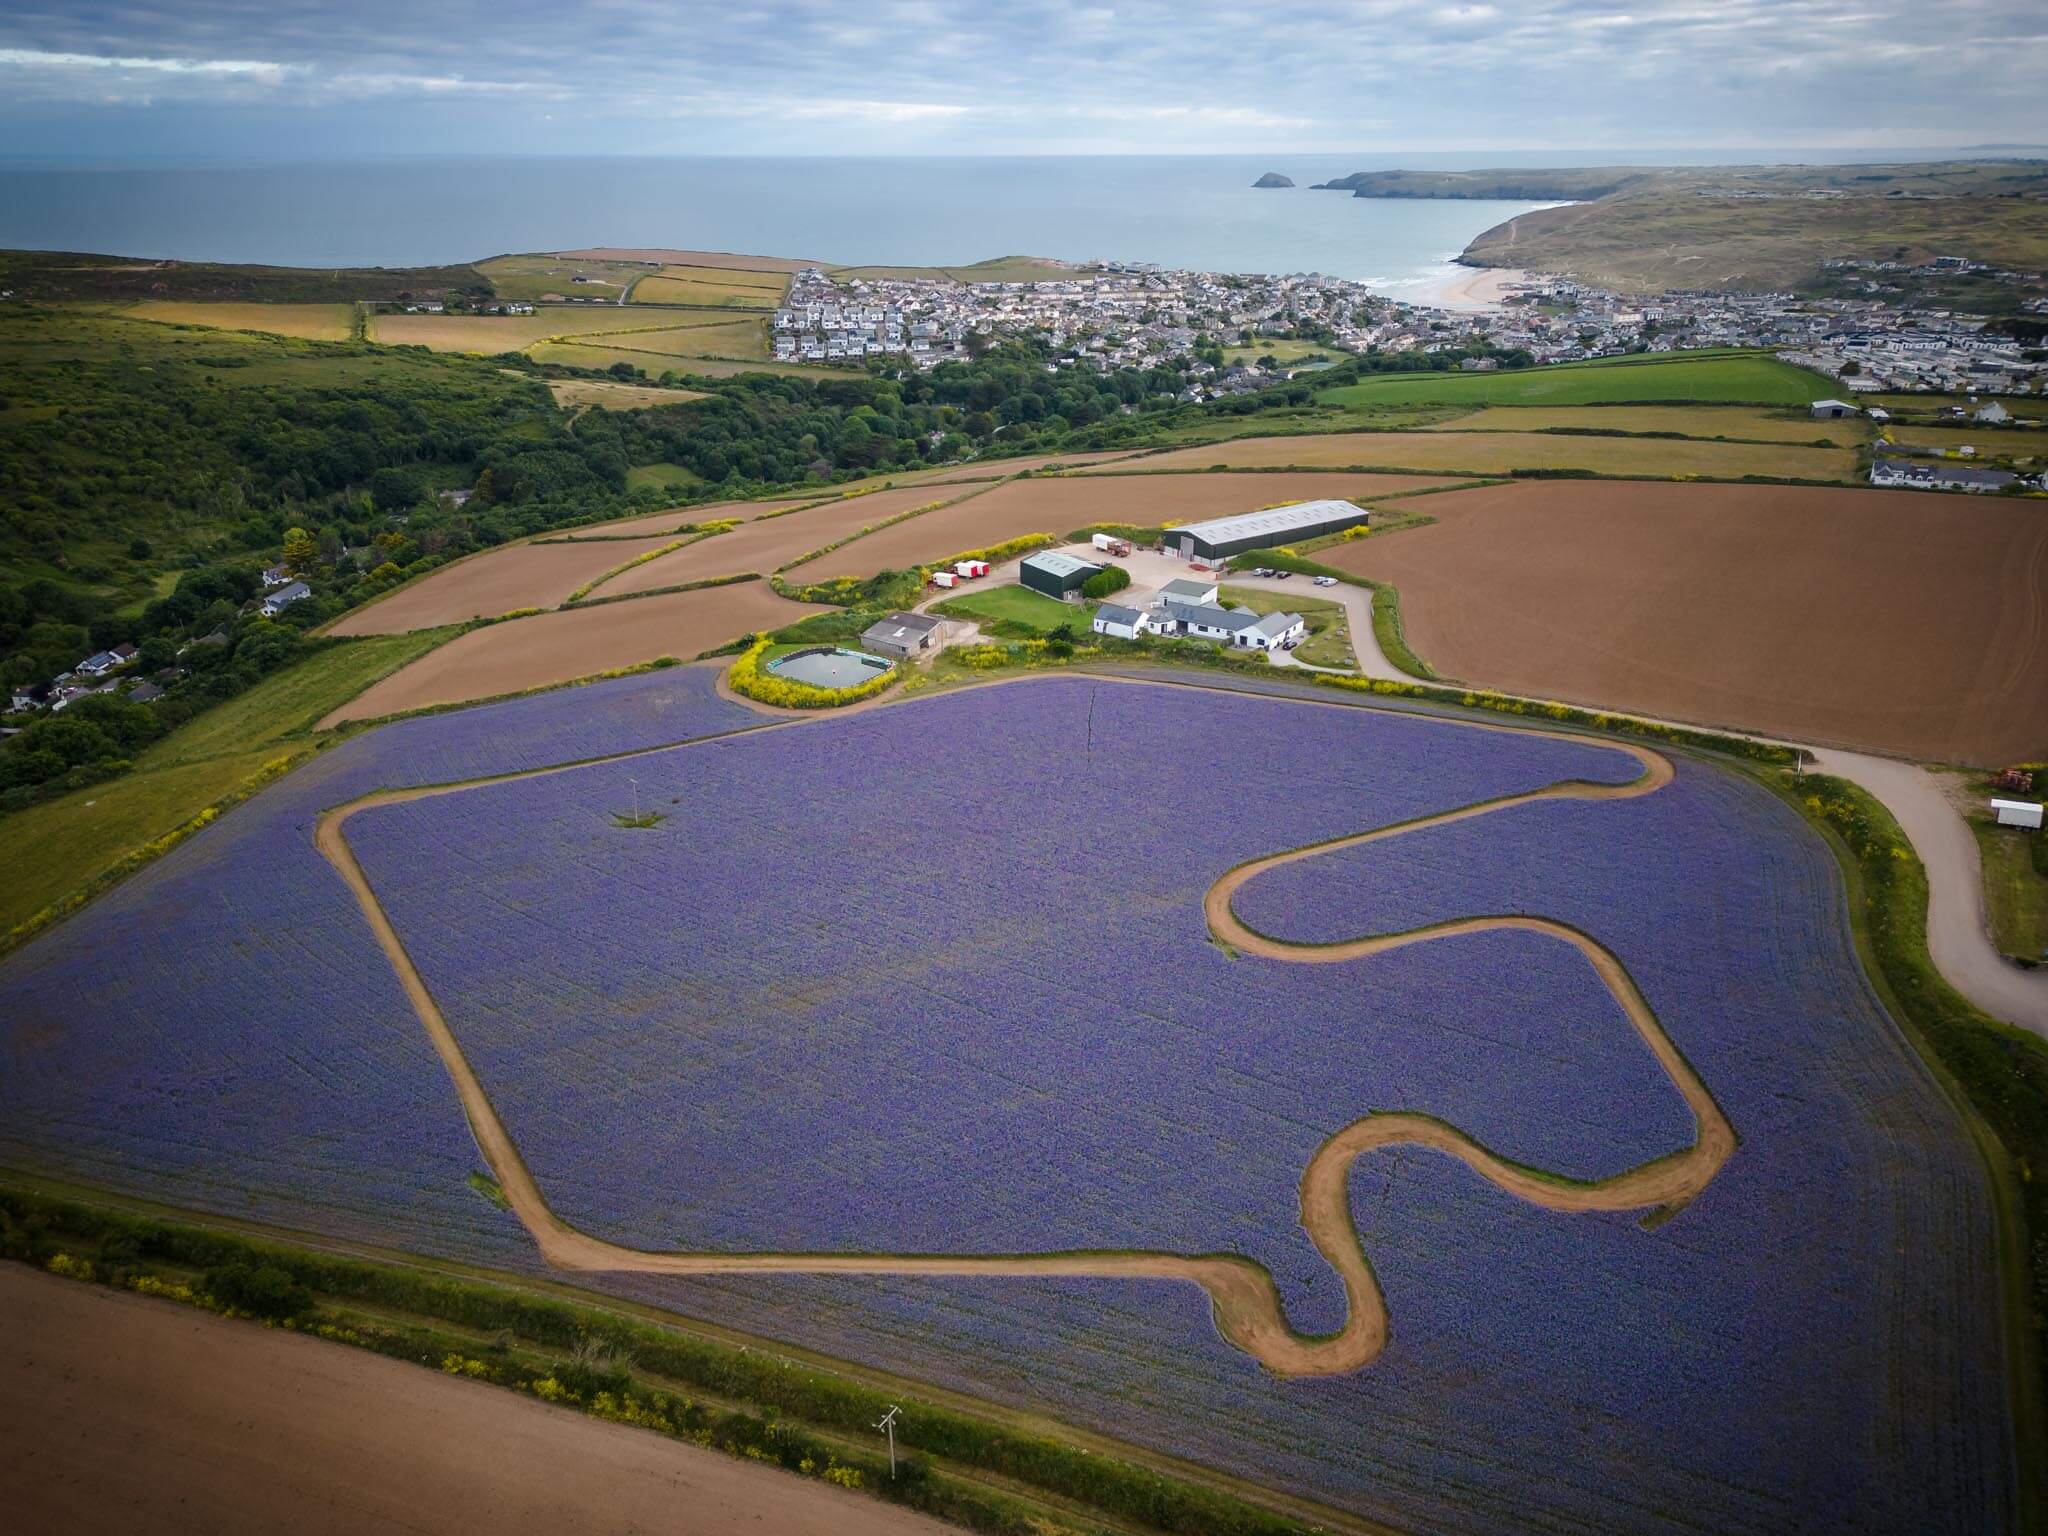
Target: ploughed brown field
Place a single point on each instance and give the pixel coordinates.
(1893, 621)
(675, 517)
(228, 1428)
(1498, 453)
(575, 642)
(767, 545)
(1058, 506)
(495, 582)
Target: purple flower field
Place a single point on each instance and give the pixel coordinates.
(935, 977)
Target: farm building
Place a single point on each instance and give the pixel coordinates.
(903, 634)
(1224, 536)
(1054, 574)
(1187, 591)
(2018, 813)
(1238, 628)
(1832, 410)
(1938, 476)
(1123, 623)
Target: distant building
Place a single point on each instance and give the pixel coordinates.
(1054, 574)
(276, 576)
(903, 634)
(99, 664)
(1832, 410)
(283, 598)
(1222, 537)
(1992, 412)
(142, 693)
(1938, 476)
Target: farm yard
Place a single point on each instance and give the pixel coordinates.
(625, 999)
(1061, 504)
(1499, 453)
(560, 647)
(1885, 620)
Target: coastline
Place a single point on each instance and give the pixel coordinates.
(1468, 289)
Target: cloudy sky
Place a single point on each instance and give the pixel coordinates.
(286, 78)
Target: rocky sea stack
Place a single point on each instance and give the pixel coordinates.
(1273, 179)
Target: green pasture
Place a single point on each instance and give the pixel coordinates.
(1747, 378)
(1030, 610)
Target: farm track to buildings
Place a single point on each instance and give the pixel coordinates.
(1246, 1303)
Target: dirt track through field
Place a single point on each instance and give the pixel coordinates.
(124, 1414)
(1245, 1303)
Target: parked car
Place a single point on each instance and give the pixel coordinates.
(1326, 581)
(1262, 570)
(1282, 575)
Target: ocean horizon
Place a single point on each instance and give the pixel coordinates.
(1189, 211)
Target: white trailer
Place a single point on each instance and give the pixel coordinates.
(971, 568)
(2018, 813)
(945, 579)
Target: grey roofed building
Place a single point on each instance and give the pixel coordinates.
(902, 634)
(1221, 536)
(142, 693)
(284, 597)
(1186, 590)
(1207, 617)
(1941, 475)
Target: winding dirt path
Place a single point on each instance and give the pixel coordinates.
(1246, 1304)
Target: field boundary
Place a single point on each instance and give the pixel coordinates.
(1247, 1307)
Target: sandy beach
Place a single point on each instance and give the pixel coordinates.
(1469, 288)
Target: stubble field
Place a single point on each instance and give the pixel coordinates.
(1887, 620)
(308, 322)
(631, 1001)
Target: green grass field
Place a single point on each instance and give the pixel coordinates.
(1733, 379)
(54, 850)
(1018, 605)
(661, 477)
(2015, 889)
(999, 269)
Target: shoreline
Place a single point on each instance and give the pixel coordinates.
(1468, 290)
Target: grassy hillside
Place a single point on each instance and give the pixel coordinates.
(77, 845)
(1768, 228)
(46, 275)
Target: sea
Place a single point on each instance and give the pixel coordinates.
(1188, 211)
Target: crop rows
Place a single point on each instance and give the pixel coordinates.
(935, 977)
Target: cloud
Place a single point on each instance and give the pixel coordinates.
(796, 76)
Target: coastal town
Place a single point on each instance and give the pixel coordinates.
(1108, 314)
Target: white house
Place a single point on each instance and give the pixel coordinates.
(1188, 592)
(283, 598)
(99, 664)
(1992, 412)
(1274, 631)
(1121, 622)
(2018, 813)
(276, 576)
